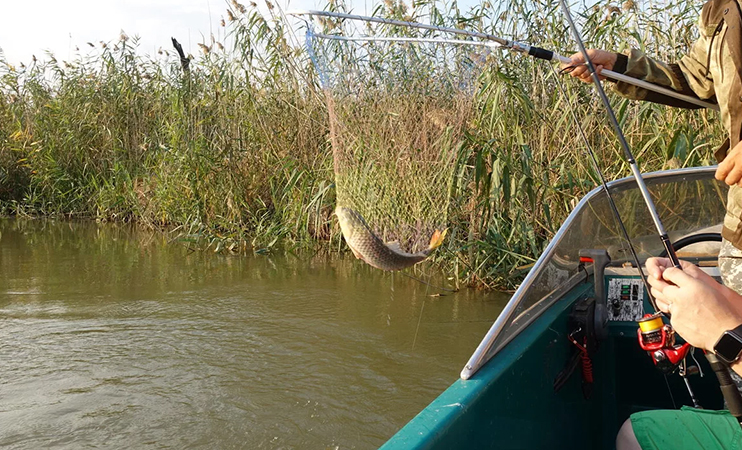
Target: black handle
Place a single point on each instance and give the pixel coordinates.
(600, 260)
(728, 388)
(541, 53)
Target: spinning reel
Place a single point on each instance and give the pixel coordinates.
(658, 340)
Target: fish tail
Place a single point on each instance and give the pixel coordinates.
(437, 239)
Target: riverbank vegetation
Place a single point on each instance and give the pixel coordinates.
(234, 154)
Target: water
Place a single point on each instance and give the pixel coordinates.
(115, 338)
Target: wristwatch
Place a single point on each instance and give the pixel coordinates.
(729, 346)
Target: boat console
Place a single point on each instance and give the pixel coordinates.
(626, 297)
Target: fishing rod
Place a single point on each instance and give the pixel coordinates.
(656, 337)
(536, 52)
(624, 144)
(663, 344)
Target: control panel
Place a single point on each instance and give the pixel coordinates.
(625, 300)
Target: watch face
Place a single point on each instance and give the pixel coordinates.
(728, 347)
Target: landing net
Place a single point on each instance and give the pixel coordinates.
(398, 111)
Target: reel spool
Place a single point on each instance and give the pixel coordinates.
(658, 340)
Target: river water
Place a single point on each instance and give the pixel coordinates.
(116, 338)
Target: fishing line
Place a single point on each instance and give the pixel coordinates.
(426, 283)
(419, 319)
(616, 214)
(612, 203)
(693, 355)
(669, 389)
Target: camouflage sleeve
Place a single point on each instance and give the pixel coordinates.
(689, 76)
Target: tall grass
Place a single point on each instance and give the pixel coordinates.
(234, 154)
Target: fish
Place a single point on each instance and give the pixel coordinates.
(369, 248)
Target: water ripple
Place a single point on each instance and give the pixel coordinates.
(156, 349)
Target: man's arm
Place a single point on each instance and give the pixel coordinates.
(689, 76)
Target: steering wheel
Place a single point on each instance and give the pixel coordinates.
(693, 239)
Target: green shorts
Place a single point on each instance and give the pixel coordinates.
(686, 429)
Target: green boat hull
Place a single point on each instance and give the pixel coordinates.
(511, 403)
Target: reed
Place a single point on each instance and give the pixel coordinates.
(234, 154)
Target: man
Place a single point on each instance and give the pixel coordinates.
(712, 71)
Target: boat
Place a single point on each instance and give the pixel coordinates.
(528, 384)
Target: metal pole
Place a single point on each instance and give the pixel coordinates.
(405, 39)
(536, 52)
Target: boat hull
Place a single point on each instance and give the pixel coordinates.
(511, 402)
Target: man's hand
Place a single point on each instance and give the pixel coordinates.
(601, 59)
(730, 170)
(701, 309)
(657, 266)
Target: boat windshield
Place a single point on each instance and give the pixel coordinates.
(689, 201)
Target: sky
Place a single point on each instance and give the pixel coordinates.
(32, 27)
